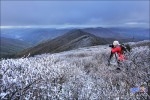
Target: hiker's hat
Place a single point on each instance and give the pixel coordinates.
(116, 43)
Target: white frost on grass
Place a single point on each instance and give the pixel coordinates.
(76, 74)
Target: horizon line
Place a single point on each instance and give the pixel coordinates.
(65, 26)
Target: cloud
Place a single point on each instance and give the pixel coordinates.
(104, 13)
(134, 23)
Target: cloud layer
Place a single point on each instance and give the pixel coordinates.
(85, 13)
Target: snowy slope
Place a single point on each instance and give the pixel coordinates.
(77, 74)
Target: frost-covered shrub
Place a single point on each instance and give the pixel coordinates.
(77, 74)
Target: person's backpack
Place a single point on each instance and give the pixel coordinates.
(125, 48)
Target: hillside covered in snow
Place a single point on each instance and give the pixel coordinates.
(81, 74)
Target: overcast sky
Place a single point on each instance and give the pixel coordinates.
(75, 13)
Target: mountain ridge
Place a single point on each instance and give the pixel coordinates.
(66, 42)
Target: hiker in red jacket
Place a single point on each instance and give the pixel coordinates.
(117, 51)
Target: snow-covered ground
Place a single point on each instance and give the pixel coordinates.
(77, 74)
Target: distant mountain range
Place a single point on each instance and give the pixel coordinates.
(105, 33)
(137, 34)
(10, 46)
(33, 36)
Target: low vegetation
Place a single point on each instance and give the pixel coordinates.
(78, 74)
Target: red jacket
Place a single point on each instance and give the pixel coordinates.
(119, 52)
